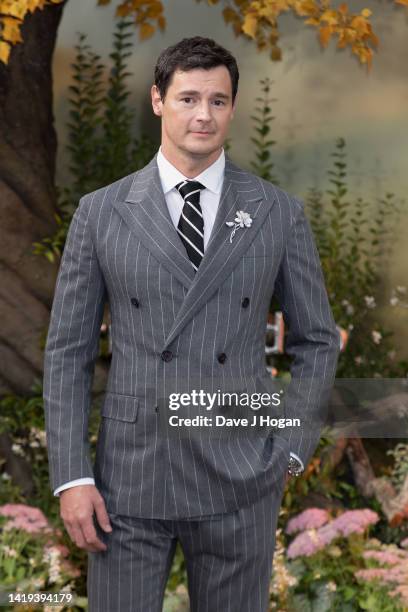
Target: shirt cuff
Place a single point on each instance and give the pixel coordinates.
(298, 458)
(73, 483)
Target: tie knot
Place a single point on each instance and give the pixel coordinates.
(186, 188)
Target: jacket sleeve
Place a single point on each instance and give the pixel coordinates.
(313, 340)
(71, 350)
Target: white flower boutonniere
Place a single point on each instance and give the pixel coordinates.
(242, 219)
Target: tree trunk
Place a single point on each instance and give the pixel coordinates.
(28, 147)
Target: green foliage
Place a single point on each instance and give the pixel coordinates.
(354, 241)
(262, 118)
(101, 147)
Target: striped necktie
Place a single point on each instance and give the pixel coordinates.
(191, 225)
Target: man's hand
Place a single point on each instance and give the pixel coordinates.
(77, 505)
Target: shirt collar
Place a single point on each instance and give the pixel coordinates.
(212, 177)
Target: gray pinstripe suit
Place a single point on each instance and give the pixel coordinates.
(170, 328)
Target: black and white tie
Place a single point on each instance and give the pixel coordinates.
(191, 224)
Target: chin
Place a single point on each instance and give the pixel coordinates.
(203, 148)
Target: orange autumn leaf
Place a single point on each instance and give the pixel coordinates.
(146, 31)
(325, 33)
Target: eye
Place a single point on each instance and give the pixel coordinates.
(187, 99)
(219, 102)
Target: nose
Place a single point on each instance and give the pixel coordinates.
(203, 112)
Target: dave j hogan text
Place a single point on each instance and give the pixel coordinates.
(219, 420)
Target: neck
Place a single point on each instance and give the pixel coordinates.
(188, 165)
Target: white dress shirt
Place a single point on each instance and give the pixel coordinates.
(212, 179)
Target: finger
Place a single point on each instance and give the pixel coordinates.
(101, 515)
(90, 536)
(76, 535)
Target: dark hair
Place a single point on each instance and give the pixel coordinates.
(190, 53)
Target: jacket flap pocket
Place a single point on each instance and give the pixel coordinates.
(120, 407)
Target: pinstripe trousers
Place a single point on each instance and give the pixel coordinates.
(228, 560)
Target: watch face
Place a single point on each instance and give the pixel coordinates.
(294, 466)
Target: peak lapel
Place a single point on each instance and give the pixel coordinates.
(145, 212)
(240, 191)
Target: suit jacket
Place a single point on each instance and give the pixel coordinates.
(174, 329)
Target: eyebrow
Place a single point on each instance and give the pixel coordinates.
(192, 92)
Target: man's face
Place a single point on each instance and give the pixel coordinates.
(196, 112)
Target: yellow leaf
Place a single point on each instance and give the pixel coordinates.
(403, 2)
(4, 52)
(250, 25)
(14, 10)
(312, 21)
(329, 17)
(146, 31)
(343, 8)
(325, 33)
(359, 24)
(161, 22)
(366, 12)
(103, 2)
(11, 30)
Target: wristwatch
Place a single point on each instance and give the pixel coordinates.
(294, 466)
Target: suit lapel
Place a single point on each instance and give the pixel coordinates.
(145, 212)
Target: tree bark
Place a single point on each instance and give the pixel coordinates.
(28, 146)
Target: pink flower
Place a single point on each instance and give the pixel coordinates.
(355, 521)
(305, 544)
(312, 540)
(374, 573)
(24, 517)
(382, 556)
(312, 518)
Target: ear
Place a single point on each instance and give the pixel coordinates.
(157, 104)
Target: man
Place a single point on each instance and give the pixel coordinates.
(188, 251)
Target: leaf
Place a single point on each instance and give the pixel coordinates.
(325, 33)
(4, 52)
(146, 31)
(229, 15)
(11, 30)
(250, 25)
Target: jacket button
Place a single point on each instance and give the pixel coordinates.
(135, 302)
(167, 355)
(245, 302)
(222, 358)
